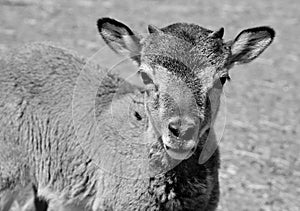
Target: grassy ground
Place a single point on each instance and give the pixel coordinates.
(260, 147)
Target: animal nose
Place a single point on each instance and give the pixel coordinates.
(174, 128)
(183, 131)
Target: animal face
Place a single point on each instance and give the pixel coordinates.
(184, 68)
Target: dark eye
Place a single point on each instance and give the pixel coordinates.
(137, 116)
(146, 78)
(223, 80)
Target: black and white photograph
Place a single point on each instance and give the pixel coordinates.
(158, 105)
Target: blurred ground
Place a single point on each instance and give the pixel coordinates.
(260, 147)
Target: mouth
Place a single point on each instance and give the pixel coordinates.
(181, 153)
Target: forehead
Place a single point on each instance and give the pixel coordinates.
(183, 48)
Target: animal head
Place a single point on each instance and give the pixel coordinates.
(184, 67)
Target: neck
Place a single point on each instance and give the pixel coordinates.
(180, 182)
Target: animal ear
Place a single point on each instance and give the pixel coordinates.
(120, 38)
(250, 43)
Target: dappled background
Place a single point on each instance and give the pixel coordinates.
(260, 148)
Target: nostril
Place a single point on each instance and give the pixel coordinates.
(174, 130)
